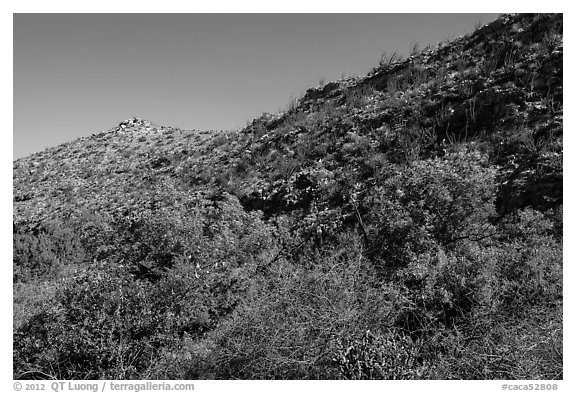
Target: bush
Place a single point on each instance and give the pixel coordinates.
(286, 327)
(113, 321)
(379, 357)
(531, 264)
(105, 324)
(429, 205)
(41, 253)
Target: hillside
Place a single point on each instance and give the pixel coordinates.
(403, 224)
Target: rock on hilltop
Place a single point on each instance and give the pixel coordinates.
(497, 90)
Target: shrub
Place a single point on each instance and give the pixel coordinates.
(287, 324)
(530, 268)
(112, 321)
(42, 252)
(105, 324)
(432, 203)
(379, 357)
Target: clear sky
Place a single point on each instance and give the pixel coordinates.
(75, 74)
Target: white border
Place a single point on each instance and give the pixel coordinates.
(298, 6)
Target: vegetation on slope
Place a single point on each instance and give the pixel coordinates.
(407, 224)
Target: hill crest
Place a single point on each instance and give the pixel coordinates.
(499, 89)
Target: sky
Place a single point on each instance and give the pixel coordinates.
(76, 74)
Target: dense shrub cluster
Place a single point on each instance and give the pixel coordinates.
(44, 250)
(158, 281)
(240, 300)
